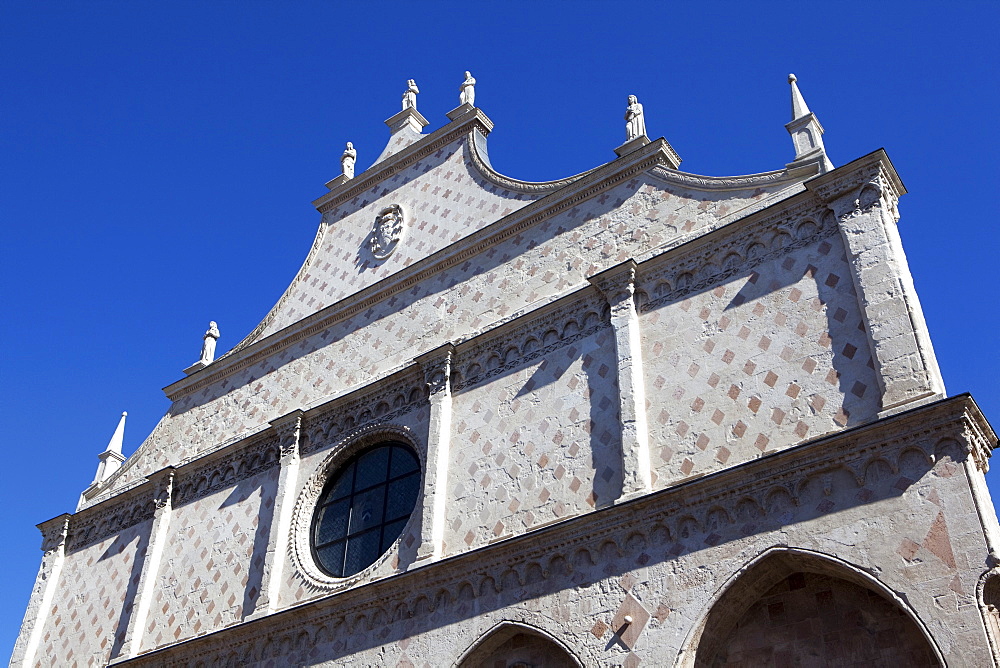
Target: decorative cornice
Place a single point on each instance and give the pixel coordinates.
(250, 351)
(685, 517)
(716, 183)
(854, 175)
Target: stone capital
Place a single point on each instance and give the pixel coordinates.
(163, 487)
(617, 284)
(54, 532)
(841, 187)
(287, 428)
(436, 365)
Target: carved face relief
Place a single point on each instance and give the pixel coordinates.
(387, 232)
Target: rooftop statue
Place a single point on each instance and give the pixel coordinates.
(208, 344)
(410, 96)
(347, 160)
(468, 90)
(635, 123)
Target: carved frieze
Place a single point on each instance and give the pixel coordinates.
(731, 505)
(520, 343)
(97, 523)
(378, 403)
(717, 263)
(201, 479)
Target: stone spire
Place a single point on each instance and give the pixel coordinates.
(807, 133)
(112, 457)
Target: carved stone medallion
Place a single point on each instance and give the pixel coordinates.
(386, 232)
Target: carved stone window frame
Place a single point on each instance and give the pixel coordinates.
(300, 541)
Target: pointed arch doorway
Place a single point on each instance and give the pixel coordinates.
(517, 645)
(795, 607)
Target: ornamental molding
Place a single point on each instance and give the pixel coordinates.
(202, 478)
(383, 401)
(465, 249)
(472, 152)
(744, 504)
(674, 275)
(711, 183)
(530, 337)
(96, 523)
(300, 535)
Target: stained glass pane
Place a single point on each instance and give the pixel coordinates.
(403, 462)
(362, 551)
(332, 521)
(402, 497)
(366, 509)
(372, 467)
(361, 514)
(331, 558)
(342, 486)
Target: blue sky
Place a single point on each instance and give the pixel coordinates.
(157, 163)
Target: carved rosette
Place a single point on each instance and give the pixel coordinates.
(387, 231)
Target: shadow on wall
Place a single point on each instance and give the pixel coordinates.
(648, 534)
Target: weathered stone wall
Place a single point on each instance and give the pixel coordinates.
(476, 289)
(885, 508)
(535, 443)
(210, 573)
(538, 345)
(331, 438)
(814, 618)
(773, 355)
(87, 621)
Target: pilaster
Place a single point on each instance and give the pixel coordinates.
(54, 534)
(289, 430)
(617, 284)
(163, 486)
(864, 202)
(437, 373)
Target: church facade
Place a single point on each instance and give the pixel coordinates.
(631, 417)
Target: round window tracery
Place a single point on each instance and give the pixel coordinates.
(364, 508)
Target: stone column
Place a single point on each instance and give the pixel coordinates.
(617, 284)
(866, 210)
(163, 485)
(289, 429)
(437, 372)
(54, 534)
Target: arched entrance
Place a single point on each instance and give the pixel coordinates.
(517, 645)
(799, 608)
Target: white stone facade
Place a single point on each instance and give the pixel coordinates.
(645, 403)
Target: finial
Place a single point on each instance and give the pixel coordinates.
(115, 444)
(799, 106)
(806, 131)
